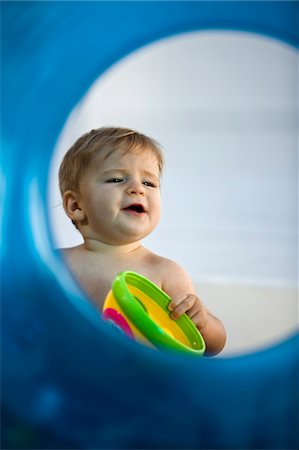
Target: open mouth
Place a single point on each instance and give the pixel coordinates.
(135, 208)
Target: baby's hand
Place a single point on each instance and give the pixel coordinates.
(192, 306)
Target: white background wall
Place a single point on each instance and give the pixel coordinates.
(224, 107)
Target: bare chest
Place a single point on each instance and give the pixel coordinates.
(95, 277)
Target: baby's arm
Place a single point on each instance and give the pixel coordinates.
(178, 285)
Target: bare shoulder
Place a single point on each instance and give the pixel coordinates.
(72, 255)
(162, 264)
(174, 278)
(71, 250)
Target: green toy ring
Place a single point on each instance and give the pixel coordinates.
(137, 314)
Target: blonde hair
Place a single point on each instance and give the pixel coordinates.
(102, 141)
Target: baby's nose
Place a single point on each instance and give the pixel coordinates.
(136, 189)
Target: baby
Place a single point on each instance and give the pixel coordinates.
(110, 186)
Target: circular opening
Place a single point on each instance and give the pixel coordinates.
(223, 105)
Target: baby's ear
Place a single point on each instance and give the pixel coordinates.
(72, 206)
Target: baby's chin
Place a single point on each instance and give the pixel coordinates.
(129, 237)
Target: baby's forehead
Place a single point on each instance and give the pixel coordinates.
(116, 157)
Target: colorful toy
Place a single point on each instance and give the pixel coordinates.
(140, 309)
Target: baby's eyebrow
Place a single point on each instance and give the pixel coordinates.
(107, 172)
(150, 174)
(123, 171)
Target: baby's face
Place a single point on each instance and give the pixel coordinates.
(121, 197)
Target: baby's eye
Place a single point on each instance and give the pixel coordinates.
(114, 180)
(149, 183)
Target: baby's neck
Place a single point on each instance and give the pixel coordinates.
(100, 247)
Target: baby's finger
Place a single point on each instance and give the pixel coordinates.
(194, 310)
(175, 301)
(183, 307)
(199, 320)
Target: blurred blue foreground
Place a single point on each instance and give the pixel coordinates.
(68, 380)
